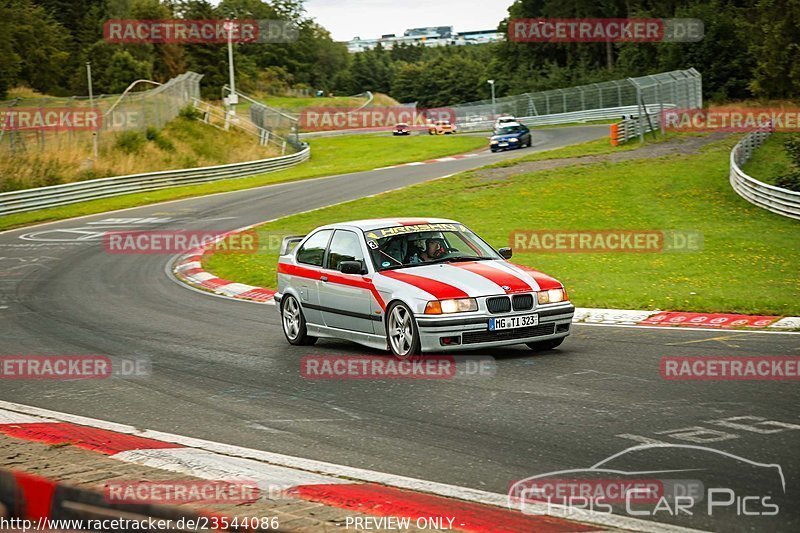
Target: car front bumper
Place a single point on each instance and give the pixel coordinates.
(473, 332)
(508, 146)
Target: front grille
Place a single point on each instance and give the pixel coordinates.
(523, 302)
(473, 337)
(498, 304)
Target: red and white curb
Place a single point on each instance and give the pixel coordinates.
(429, 161)
(189, 269)
(359, 490)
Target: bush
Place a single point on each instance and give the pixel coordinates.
(792, 147)
(153, 135)
(130, 142)
(789, 181)
(190, 113)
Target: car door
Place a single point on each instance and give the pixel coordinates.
(346, 299)
(309, 258)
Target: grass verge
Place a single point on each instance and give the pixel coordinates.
(329, 155)
(770, 160)
(748, 263)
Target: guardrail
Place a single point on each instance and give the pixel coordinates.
(630, 128)
(775, 199)
(70, 193)
(566, 118)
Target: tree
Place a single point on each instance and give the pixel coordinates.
(777, 48)
(41, 42)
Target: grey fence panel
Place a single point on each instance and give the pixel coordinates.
(69, 193)
(130, 111)
(609, 113)
(680, 88)
(775, 199)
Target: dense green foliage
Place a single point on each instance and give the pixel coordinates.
(45, 44)
(750, 50)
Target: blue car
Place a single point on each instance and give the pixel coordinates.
(510, 135)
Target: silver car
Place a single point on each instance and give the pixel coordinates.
(414, 286)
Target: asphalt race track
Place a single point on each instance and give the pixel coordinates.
(222, 371)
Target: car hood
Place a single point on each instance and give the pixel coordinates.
(460, 280)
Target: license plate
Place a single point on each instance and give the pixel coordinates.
(512, 322)
(503, 144)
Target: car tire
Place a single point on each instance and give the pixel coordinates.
(294, 323)
(400, 323)
(541, 346)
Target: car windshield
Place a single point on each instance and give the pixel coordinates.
(509, 129)
(408, 246)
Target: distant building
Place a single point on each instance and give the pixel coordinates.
(430, 36)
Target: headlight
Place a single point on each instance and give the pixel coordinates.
(513, 140)
(461, 305)
(493, 142)
(552, 296)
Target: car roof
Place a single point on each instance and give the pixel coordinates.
(376, 223)
(511, 124)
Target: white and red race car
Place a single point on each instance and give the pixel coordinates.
(414, 286)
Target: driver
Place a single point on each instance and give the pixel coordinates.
(433, 250)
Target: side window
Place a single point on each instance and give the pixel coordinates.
(345, 246)
(313, 250)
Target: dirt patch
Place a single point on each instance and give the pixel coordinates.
(680, 146)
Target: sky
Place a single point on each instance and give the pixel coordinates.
(346, 19)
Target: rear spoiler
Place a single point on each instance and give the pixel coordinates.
(289, 243)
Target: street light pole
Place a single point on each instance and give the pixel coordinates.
(233, 98)
(494, 112)
(91, 105)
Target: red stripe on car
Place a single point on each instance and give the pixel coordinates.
(497, 276)
(439, 290)
(544, 281)
(333, 277)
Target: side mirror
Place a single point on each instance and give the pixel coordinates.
(350, 267)
(505, 253)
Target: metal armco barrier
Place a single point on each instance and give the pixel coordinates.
(780, 201)
(630, 128)
(70, 193)
(42, 502)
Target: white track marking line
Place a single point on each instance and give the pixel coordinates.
(208, 465)
(687, 328)
(348, 472)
